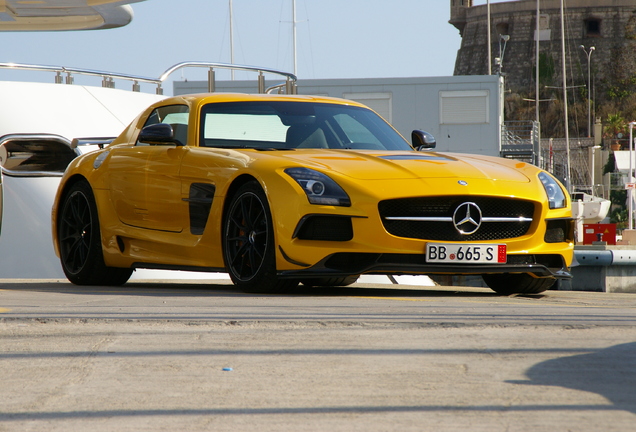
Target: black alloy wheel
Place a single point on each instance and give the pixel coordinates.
(248, 242)
(80, 240)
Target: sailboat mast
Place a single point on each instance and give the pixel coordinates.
(488, 39)
(536, 72)
(294, 37)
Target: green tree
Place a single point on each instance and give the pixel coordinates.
(613, 125)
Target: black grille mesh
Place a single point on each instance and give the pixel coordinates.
(444, 206)
(325, 228)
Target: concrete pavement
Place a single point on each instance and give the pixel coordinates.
(190, 357)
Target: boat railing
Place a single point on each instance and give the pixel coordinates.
(65, 75)
(289, 85)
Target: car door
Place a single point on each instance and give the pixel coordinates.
(145, 183)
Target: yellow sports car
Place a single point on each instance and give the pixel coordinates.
(278, 190)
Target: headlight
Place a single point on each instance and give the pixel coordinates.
(319, 188)
(553, 190)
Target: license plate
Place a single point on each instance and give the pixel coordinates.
(466, 254)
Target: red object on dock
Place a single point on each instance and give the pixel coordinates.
(599, 232)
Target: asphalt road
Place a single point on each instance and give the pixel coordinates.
(192, 356)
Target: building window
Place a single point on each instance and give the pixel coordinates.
(464, 107)
(593, 27)
(503, 29)
(544, 28)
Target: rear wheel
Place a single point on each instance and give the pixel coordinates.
(79, 240)
(506, 284)
(248, 242)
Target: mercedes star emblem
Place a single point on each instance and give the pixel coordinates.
(467, 218)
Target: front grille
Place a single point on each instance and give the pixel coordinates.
(499, 211)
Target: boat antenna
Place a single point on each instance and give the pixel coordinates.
(232, 37)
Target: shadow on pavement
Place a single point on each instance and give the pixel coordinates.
(610, 372)
(218, 287)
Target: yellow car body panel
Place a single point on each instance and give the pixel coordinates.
(149, 198)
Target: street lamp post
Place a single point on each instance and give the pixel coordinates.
(588, 54)
(502, 52)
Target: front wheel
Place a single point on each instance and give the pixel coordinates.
(248, 242)
(507, 284)
(330, 281)
(79, 240)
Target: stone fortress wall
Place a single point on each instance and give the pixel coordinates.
(608, 25)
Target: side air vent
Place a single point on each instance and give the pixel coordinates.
(200, 199)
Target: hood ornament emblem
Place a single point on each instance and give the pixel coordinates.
(463, 182)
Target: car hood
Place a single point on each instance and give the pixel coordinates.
(369, 165)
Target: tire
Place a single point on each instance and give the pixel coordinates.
(80, 243)
(248, 242)
(507, 284)
(330, 282)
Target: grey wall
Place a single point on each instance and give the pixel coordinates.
(414, 104)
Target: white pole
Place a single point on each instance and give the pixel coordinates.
(536, 72)
(589, 94)
(232, 37)
(565, 102)
(593, 168)
(489, 47)
(294, 36)
(630, 191)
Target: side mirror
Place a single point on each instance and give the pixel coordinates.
(159, 133)
(422, 140)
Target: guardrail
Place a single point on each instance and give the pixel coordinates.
(108, 78)
(605, 258)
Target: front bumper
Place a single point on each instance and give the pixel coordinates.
(346, 264)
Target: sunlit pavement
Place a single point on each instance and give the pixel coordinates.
(196, 356)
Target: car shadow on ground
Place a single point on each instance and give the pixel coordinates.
(608, 372)
(221, 287)
(391, 291)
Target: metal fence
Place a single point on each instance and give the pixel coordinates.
(520, 140)
(553, 158)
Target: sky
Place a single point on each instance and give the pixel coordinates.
(335, 39)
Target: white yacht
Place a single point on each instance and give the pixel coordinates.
(43, 126)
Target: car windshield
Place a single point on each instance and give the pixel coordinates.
(295, 125)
